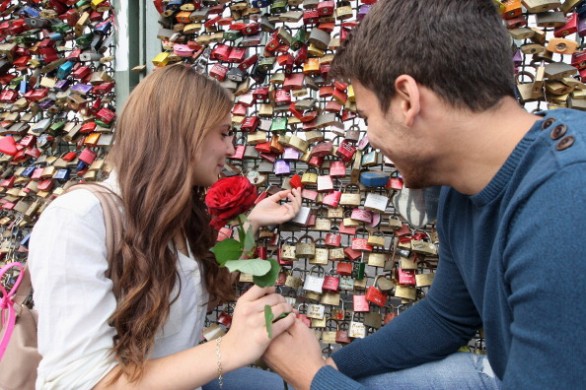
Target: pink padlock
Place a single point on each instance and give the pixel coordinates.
(332, 199)
(361, 215)
(360, 304)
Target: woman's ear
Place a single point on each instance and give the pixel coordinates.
(408, 98)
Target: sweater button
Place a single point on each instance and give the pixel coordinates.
(548, 122)
(558, 132)
(565, 143)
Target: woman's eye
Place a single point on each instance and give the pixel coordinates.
(229, 133)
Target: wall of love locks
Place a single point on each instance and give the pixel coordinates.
(363, 248)
(57, 102)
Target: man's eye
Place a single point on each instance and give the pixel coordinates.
(365, 121)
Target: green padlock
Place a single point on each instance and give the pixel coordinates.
(299, 39)
(232, 35)
(278, 6)
(279, 124)
(358, 270)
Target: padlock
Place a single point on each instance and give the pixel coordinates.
(324, 183)
(360, 303)
(335, 212)
(424, 279)
(281, 167)
(332, 284)
(406, 277)
(305, 247)
(350, 196)
(376, 296)
(376, 239)
(302, 216)
(373, 319)
(293, 281)
(278, 124)
(361, 215)
(336, 254)
(337, 169)
(342, 334)
(288, 250)
(316, 311)
(406, 292)
(298, 143)
(344, 269)
(321, 253)
(332, 199)
(314, 283)
(376, 202)
(338, 313)
(376, 259)
(328, 337)
(333, 240)
(309, 177)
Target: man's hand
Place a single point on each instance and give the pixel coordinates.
(296, 356)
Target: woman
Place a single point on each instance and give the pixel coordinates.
(172, 140)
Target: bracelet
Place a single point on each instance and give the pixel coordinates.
(219, 359)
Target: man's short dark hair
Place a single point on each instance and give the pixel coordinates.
(459, 49)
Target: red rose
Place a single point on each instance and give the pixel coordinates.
(229, 197)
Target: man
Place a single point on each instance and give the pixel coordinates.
(435, 81)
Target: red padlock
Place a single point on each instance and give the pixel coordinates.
(352, 254)
(376, 296)
(331, 283)
(346, 151)
(333, 239)
(406, 277)
(361, 244)
(218, 72)
(295, 181)
(344, 269)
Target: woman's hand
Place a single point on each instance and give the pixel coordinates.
(270, 211)
(247, 339)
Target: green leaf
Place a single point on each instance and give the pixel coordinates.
(269, 278)
(269, 320)
(228, 249)
(255, 267)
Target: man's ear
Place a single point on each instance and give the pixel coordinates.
(408, 98)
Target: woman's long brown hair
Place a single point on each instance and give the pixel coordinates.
(158, 135)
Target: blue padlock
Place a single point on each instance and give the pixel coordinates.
(374, 178)
(64, 70)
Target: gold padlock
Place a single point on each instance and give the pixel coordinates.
(406, 292)
(329, 337)
(424, 280)
(336, 254)
(305, 249)
(376, 259)
(376, 239)
(330, 298)
(309, 177)
(321, 256)
(300, 144)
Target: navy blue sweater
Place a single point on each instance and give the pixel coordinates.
(513, 261)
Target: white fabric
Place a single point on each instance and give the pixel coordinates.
(74, 298)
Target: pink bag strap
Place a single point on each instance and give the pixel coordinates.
(10, 299)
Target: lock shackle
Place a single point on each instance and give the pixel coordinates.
(320, 270)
